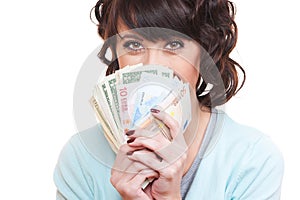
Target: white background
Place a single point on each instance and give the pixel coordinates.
(43, 45)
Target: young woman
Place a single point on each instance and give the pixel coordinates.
(215, 158)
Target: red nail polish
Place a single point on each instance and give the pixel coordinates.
(130, 132)
(154, 110)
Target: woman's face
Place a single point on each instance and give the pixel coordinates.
(178, 53)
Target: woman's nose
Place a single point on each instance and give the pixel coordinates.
(155, 56)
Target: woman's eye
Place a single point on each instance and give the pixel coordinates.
(133, 46)
(174, 45)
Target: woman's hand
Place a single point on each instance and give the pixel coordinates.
(127, 176)
(163, 156)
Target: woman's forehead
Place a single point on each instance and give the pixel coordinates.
(150, 33)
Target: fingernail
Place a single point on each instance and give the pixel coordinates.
(158, 157)
(129, 153)
(130, 132)
(130, 140)
(154, 110)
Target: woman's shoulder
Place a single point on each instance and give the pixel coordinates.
(228, 131)
(256, 160)
(241, 145)
(243, 161)
(238, 137)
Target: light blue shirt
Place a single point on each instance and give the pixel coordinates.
(239, 163)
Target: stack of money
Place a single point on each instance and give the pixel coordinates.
(122, 101)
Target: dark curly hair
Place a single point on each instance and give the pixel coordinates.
(209, 22)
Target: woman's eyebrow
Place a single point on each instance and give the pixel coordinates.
(130, 36)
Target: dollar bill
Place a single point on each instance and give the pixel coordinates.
(112, 96)
(111, 115)
(133, 75)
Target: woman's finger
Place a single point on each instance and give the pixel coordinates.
(130, 185)
(153, 144)
(160, 158)
(121, 162)
(149, 159)
(169, 151)
(168, 120)
(143, 132)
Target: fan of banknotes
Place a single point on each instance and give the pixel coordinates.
(122, 101)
